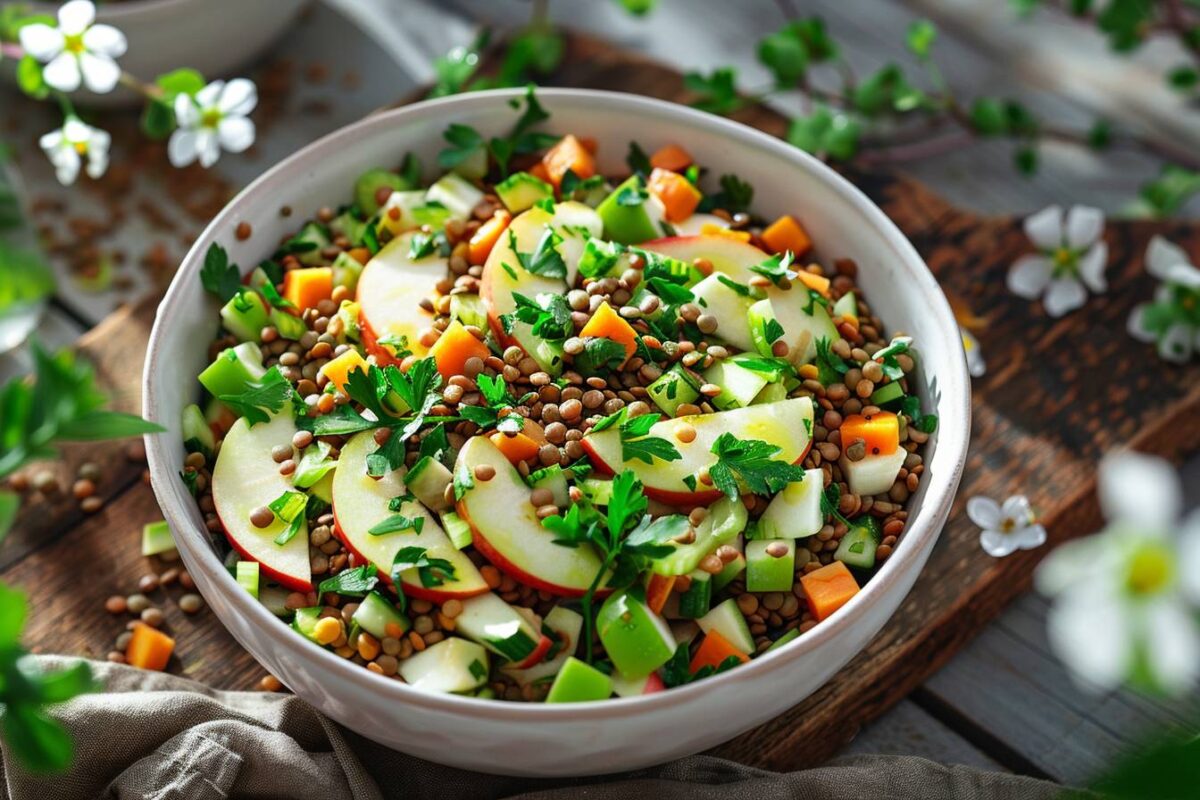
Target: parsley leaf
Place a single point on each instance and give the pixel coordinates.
(351, 582)
(750, 461)
(887, 357)
(573, 185)
(431, 571)
(830, 366)
(829, 504)
(633, 195)
(274, 297)
(638, 161)
(549, 314)
(735, 195)
(776, 268)
(911, 406)
(218, 276)
(599, 257)
(545, 258)
(522, 140)
(600, 354)
(268, 395)
(636, 443)
(464, 142)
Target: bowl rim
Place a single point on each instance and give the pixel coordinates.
(953, 433)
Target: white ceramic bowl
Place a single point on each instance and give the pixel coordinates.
(215, 37)
(618, 734)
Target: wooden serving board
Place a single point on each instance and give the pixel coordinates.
(1058, 394)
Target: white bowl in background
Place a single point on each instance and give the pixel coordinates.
(215, 37)
(581, 738)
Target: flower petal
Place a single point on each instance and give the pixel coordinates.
(66, 163)
(1092, 265)
(984, 512)
(235, 134)
(997, 544)
(1076, 562)
(1085, 225)
(1137, 324)
(1018, 509)
(1176, 344)
(1030, 537)
(238, 98)
(181, 149)
(1029, 275)
(51, 140)
(77, 131)
(186, 113)
(105, 40)
(208, 96)
(62, 73)
(1189, 557)
(1045, 228)
(41, 41)
(1184, 275)
(1161, 255)
(208, 147)
(1172, 643)
(1100, 655)
(100, 73)
(1064, 295)
(1138, 488)
(75, 17)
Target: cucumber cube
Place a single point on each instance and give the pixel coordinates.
(346, 270)
(739, 385)
(233, 369)
(245, 315)
(305, 622)
(451, 665)
(247, 577)
(197, 436)
(457, 529)
(732, 570)
(887, 393)
(790, 636)
(726, 519)
(456, 194)
(156, 538)
(370, 182)
(637, 640)
(521, 190)
(727, 620)
(626, 221)
(498, 626)
(672, 389)
(857, 548)
(578, 682)
(427, 480)
(771, 393)
(469, 309)
(766, 572)
(375, 614)
(597, 490)
(697, 600)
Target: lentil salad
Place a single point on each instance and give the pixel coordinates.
(531, 432)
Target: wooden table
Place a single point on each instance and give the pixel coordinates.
(1003, 702)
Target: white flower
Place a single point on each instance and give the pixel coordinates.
(1071, 254)
(67, 147)
(1121, 597)
(1173, 319)
(76, 51)
(1006, 528)
(214, 120)
(975, 363)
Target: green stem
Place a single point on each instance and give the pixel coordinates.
(587, 610)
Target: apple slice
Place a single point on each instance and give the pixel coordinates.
(785, 423)
(244, 478)
(507, 530)
(390, 290)
(360, 502)
(503, 274)
(727, 255)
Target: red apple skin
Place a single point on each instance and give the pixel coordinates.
(654, 684)
(485, 294)
(286, 581)
(688, 499)
(501, 563)
(416, 591)
(539, 652)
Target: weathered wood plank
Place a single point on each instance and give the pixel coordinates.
(909, 730)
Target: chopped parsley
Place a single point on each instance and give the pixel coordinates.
(549, 314)
(431, 571)
(735, 196)
(274, 297)
(777, 268)
(911, 406)
(464, 141)
(398, 522)
(750, 461)
(573, 185)
(636, 443)
(830, 366)
(599, 355)
(351, 582)
(633, 195)
(887, 357)
(268, 395)
(599, 257)
(638, 161)
(545, 259)
(218, 276)
(423, 245)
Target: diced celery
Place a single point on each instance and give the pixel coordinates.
(156, 538)
(247, 577)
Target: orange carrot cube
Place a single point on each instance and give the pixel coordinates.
(485, 238)
(829, 588)
(454, 347)
(568, 154)
(608, 324)
(515, 447)
(679, 197)
(713, 651)
(307, 287)
(672, 157)
(149, 648)
(785, 234)
(880, 432)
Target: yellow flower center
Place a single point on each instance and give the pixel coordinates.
(1064, 257)
(74, 44)
(1151, 569)
(80, 147)
(210, 117)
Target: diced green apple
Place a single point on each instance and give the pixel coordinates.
(785, 424)
(361, 502)
(632, 687)
(725, 520)
(637, 640)
(730, 308)
(796, 511)
(500, 628)
(197, 435)
(727, 620)
(390, 291)
(767, 572)
(873, 474)
(507, 531)
(458, 195)
(375, 613)
(233, 368)
(673, 388)
(451, 665)
(245, 315)
(521, 190)
(245, 478)
(625, 222)
(578, 683)
(739, 385)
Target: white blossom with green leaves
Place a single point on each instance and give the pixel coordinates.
(1172, 321)
(1071, 258)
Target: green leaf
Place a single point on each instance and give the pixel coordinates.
(157, 120)
(750, 461)
(218, 276)
(535, 51)
(636, 444)
(464, 141)
(351, 582)
(825, 133)
(735, 195)
(545, 258)
(600, 354)
(268, 395)
(887, 91)
(785, 55)
(639, 8)
(99, 425)
(1025, 158)
(453, 70)
(1183, 78)
(1099, 136)
(13, 610)
(715, 92)
(61, 685)
(627, 505)
(29, 78)
(1168, 766)
(988, 117)
(637, 160)
(10, 504)
(38, 742)
(920, 38)
(1126, 22)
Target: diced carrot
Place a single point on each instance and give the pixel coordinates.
(454, 347)
(589, 143)
(516, 447)
(829, 588)
(360, 254)
(658, 590)
(338, 369)
(710, 229)
(814, 281)
(880, 432)
(149, 648)
(307, 287)
(538, 171)
(786, 234)
(672, 157)
(568, 154)
(486, 237)
(713, 650)
(608, 324)
(679, 197)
